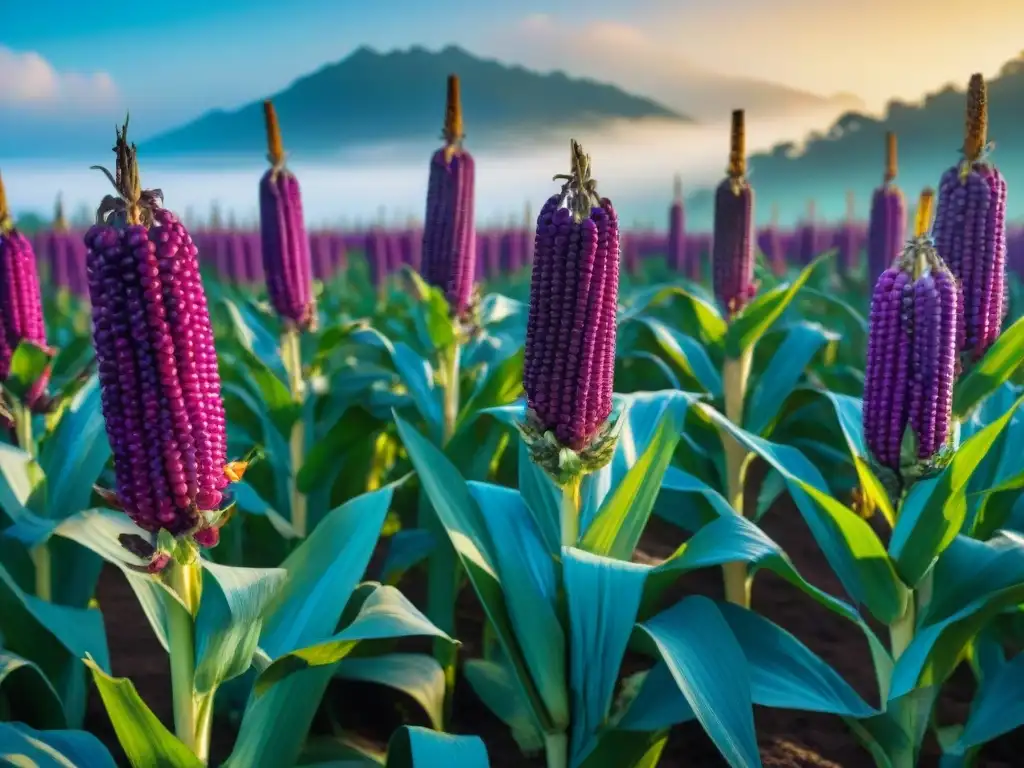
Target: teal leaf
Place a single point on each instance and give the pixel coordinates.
(998, 707)
(704, 316)
(603, 597)
(415, 674)
(25, 746)
(934, 510)
(253, 336)
(415, 747)
(708, 666)
(526, 572)
(143, 737)
(34, 700)
(495, 685)
(686, 353)
(1000, 362)
(234, 601)
(802, 342)
(384, 615)
(406, 549)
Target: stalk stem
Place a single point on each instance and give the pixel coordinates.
(451, 391)
(556, 750)
(192, 714)
(735, 376)
(291, 355)
(570, 522)
(40, 554)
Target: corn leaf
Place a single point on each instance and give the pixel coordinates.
(848, 542)
(415, 674)
(1001, 361)
(252, 335)
(998, 708)
(802, 342)
(322, 572)
(687, 501)
(27, 364)
(145, 740)
(19, 479)
(406, 549)
(526, 571)
(708, 666)
(415, 747)
(603, 597)
(685, 353)
(542, 498)
(616, 530)
(704, 316)
(974, 582)
(894, 737)
(747, 328)
(495, 685)
(30, 696)
(22, 745)
(231, 612)
(933, 512)
(462, 520)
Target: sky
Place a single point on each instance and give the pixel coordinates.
(72, 60)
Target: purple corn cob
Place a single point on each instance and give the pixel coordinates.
(887, 224)
(156, 361)
(286, 261)
(449, 235)
(733, 255)
(570, 338)
(676, 251)
(911, 353)
(21, 306)
(377, 258)
(970, 230)
(772, 244)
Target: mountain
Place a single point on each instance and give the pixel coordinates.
(371, 97)
(850, 156)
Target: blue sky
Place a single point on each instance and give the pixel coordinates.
(186, 56)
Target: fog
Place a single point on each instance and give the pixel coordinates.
(633, 162)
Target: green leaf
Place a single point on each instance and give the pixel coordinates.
(998, 708)
(461, 518)
(526, 572)
(620, 522)
(70, 363)
(894, 737)
(432, 316)
(251, 334)
(503, 384)
(687, 501)
(406, 549)
(603, 597)
(848, 542)
(355, 428)
(705, 317)
(708, 666)
(414, 747)
(415, 674)
(145, 740)
(416, 373)
(75, 454)
(802, 342)
(495, 685)
(1000, 363)
(747, 328)
(322, 573)
(27, 364)
(686, 353)
(31, 696)
(933, 512)
(25, 746)
(19, 478)
(231, 614)
(543, 499)
(385, 614)
(981, 579)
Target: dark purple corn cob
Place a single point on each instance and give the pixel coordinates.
(772, 244)
(156, 361)
(733, 256)
(887, 224)
(908, 380)
(449, 234)
(845, 240)
(570, 338)
(677, 230)
(285, 246)
(21, 305)
(970, 230)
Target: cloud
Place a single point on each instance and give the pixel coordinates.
(29, 83)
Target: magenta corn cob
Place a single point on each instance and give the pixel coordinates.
(156, 361)
(887, 224)
(285, 246)
(970, 230)
(733, 256)
(21, 306)
(908, 380)
(449, 234)
(569, 359)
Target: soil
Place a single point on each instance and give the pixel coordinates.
(788, 739)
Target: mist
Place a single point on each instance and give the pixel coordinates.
(634, 163)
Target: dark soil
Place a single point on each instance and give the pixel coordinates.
(788, 739)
